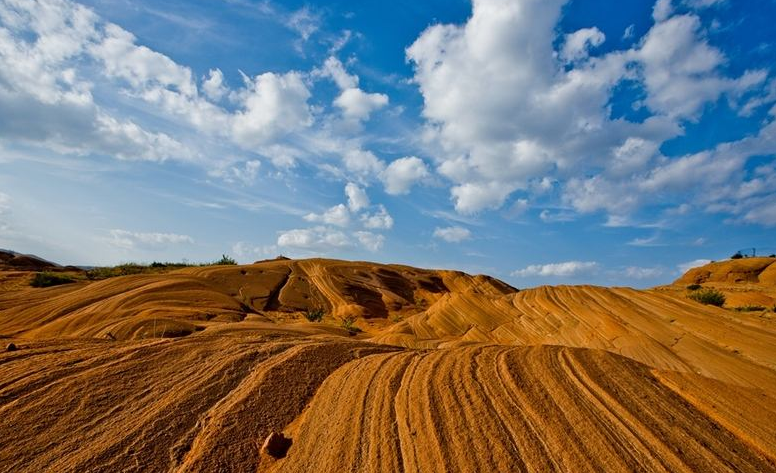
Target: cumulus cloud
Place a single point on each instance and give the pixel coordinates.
(56, 52)
(130, 240)
(239, 172)
(333, 69)
(5, 210)
(359, 105)
(354, 103)
(684, 267)
(213, 85)
(243, 250)
(273, 106)
(565, 269)
(636, 272)
(325, 239)
(320, 238)
(577, 45)
(505, 109)
(662, 10)
(402, 173)
(453, 234)
(379, 219)
(371, 241)
(337, 215)
(357, 198)
(363, 163)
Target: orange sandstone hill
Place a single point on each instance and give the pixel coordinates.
(408, 370)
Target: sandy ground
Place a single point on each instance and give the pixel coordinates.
(191, 371)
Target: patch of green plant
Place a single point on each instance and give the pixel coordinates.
(47, 279)
(708, 296)
(314, 315)
(129, 269)
(749, 308)
(349, 324)
(694, 287)
(225, 260)
(738, 255)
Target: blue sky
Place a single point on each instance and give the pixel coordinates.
(539, 141)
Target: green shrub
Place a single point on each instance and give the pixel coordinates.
(708, 296)
(749, 308)
(738, 255)
(348, 323)
(314, 315)
(225, 260)
(694, 287)
(47, 279)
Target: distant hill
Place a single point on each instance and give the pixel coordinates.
(11, 260)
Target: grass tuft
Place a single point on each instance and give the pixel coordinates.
(708, 296)
(47, 279)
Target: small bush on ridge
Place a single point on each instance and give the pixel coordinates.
(47, 279)
(314, 315)
(349, 324)
(708, 296)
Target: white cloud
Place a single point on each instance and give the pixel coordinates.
(699, 4)
(684, 267)
(138, 65)
(566, 269)
(359, 105)
(371, 241)
(518, 208)
(357, 198)
(504, 109)
(629, 32)
(337, 215)
(380, 219)
(577, 45)
(453, 234)
(304, 21)
(662, 10)
(363, 163)
(764, 212)
(50, 48)
(273, 106)
(334, 70)
(239, 172)
(472, 197)
(129, 240)
(213, 85)
(243, 250)
(556, 217)
(354, 103)
(402, 173)
(319, 238)
(5, 210)
(646, 242)
(636, 272)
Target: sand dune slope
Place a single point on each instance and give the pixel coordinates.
(204, 404)
(521, 409)
(180, 302)
(192, 404)
(658, 329)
